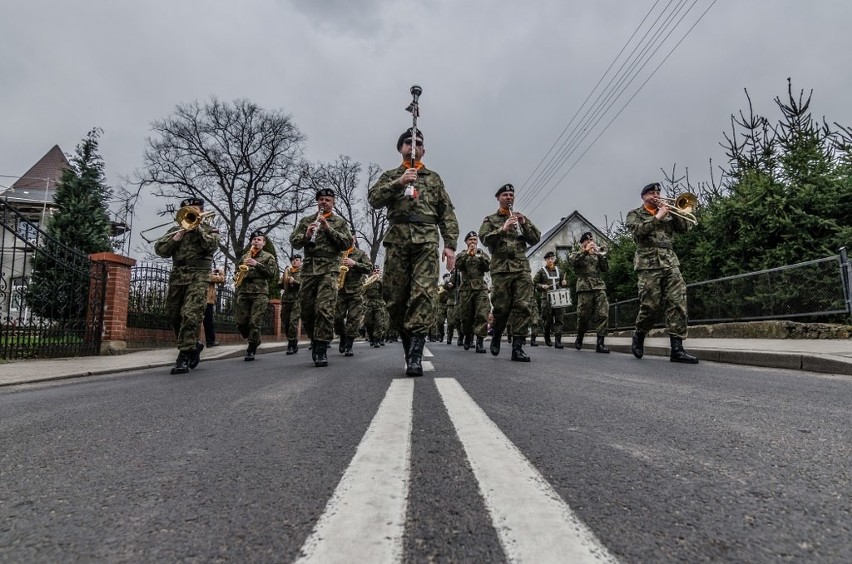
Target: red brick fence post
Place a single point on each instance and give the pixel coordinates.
(114, 338)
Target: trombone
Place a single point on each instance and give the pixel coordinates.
(682, 206)
(187, 217)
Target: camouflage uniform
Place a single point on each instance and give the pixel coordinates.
(512, 295)
(375, 312)
(658, 270)
(443, 298)
(473, 293)
(350, 299)
(192, 258)
(411, 263)
(252, 299)
(591, 291)
(551, 317)
(290, 302)
(321, 265)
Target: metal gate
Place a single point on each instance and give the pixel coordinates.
(51, 296)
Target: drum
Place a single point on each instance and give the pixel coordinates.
(559, 298)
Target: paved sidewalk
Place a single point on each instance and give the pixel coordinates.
(833, 356)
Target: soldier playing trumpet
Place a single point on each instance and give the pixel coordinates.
(253, 291)
(588, 263)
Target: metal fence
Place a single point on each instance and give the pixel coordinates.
(813, 290)
(149, 288)
(51, 296)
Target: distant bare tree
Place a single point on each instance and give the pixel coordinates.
(376, 220)
(244, 161)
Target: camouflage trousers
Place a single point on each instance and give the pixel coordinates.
(440, 318)
(453, 318)
(535, 319)
(349, 314)
(185, 305)
(657, 288)
(512, 300)
(290, 319)
(317, 300)
(592, 304)
(473, 312)
(409, 279)
(375, 319)
(552, 318)
(249, 310)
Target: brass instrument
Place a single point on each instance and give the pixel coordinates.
(682, 206)
(341, 278)
(594, 249)
(371, 279)
(243, 268)
(285, 278)
(187, 217)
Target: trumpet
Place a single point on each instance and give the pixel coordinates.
(593, 249)
(188, 217)
(371, 279)
(682, 206)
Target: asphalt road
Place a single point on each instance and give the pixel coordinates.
(480, 460)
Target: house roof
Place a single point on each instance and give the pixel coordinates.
(553, 231)
(38, 184)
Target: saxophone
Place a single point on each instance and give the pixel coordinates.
(243, 268)
(341, 278)
(371, 280)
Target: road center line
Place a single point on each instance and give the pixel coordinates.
(364, 521)
(533, 523)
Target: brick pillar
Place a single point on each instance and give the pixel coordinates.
(118, 268)
(276, 319)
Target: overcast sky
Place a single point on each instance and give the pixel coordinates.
(501, 81)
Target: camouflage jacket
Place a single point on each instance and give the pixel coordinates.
(473, 269)
(373, 294)
(508, 251)
(355, 275)
(256, 280)
(416, 220)
(192, 256)
(654, 238)
(451, 287)
(588, 268)
(550, 278)
(323, 257)
(290, 289)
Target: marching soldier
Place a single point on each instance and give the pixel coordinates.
(350, 296)
(658, 269)
(419, 209)
(588, 263)
(290, 283)
(191, 251)
(546, 279)
(507, 234)
(252, 286)
(324, 238)
(374, 306)
(443, 297)
(473, 263)
(450, 290)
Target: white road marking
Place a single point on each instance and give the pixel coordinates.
(427, 353)
(364, 521)
(427, 366)
(532, 522)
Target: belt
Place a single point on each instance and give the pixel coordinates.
(196, 263)
(413, 218)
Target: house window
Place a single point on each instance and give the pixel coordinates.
(562, 252)
(28, 230)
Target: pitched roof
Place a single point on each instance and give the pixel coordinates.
(38, 184)
(553, 231)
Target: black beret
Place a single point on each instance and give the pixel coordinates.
(194, 202)
(294, 257)
(651, 186)
(586, 236)
(257, 233)
(505, 188)
(407, 135)
(325, 192)
(471, 234)
(550, 254)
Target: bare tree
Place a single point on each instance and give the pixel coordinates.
(246, 162)
(376, 220)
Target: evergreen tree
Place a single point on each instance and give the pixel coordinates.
(80, 226)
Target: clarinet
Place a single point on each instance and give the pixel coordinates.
(414, 108)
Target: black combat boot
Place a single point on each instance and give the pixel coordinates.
(678, 354)
(578, 342)
(547, 340)
(449, 335)
(440, 338)
(195, 356)
(495, 343)
(292, 346)
(414, 367)
(637, 347)
(349, 342)
(313, 348)
(342, 347)
(533, 337)
(558, 342)
(406, 346)
(250, 352)
(321, 348)
(601, 347)
(480, 344)
(181, 364)
(468, 341)
(518, 353)
(460, 340)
